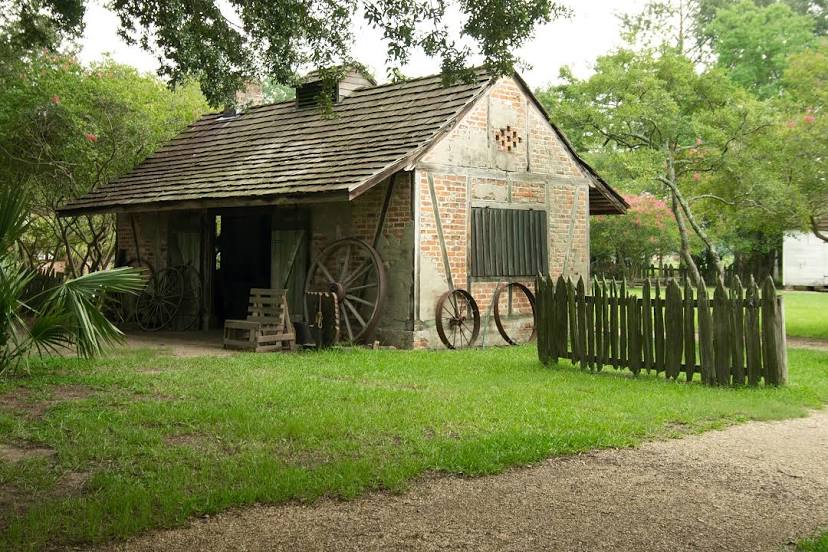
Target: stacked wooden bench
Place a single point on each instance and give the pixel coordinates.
(268, 326)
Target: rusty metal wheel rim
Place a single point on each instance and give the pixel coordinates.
(458, 319)
(355, 273)
(499, 321)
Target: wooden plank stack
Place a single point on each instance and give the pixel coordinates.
(737, 337)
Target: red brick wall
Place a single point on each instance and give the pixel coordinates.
(152, 237)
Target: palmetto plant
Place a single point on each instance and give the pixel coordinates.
(65, 316)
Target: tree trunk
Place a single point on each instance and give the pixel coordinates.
(817, 232)
(679, 201)
(692, 269)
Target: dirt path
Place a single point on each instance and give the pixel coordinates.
(808, 343)
(757, 486)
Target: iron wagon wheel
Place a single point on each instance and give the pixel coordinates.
(458, 319)
(189, 312)
(513, 339)
(355, 273)
(119, 308)
(158, 304)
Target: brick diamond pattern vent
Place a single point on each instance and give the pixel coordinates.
(507, 138)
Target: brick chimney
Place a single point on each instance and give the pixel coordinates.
(252, 95)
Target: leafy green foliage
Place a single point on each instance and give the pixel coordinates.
(659, 124)
(66, 129)
(753, 43)
(224, 45)
(64, 316)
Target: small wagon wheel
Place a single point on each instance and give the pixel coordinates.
(158, 304)
(514, 338)
(354, 271)
(458, 319)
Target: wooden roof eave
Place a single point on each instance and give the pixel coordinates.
(294, 198)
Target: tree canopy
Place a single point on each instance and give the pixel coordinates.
(223, 45)
(753, 43)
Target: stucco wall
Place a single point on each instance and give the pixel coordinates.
(502, 153)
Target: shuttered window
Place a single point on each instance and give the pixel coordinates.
(508, 242)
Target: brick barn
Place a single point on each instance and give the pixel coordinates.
(467, 185)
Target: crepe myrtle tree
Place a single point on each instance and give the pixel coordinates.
(224, 44)
(647, 231)
(66, 129)
(61, 316)
(655, 106)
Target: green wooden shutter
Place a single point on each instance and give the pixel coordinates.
(508, 242)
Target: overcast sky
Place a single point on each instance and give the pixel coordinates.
(592, 30)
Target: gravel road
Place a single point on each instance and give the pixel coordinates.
(756, 486)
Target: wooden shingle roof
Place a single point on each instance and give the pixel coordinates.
(279, 153)
(279, 150)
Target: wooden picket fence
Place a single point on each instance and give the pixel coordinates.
(736, 337)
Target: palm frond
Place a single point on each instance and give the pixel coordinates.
(12, 215)
(79, 301)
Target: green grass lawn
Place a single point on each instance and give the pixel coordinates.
(806, 314)
(155, 439)
(816, 544)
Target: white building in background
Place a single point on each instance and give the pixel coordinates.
(804, 260)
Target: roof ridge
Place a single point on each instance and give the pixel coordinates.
(479, 70)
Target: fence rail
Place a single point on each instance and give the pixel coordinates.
(733, 338)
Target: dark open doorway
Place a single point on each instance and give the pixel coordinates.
(242, 262)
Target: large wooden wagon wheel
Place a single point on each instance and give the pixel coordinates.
(521, 301)
(159, 302)
(458, 319)
(354, 272)
(119, 308)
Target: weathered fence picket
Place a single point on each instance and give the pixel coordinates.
(737, 336)
(674, 334)
(581, 307)
(658, 311)
(647, 326)
(753, 349)
(689, 331)
(721, 335)
(738, 329)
